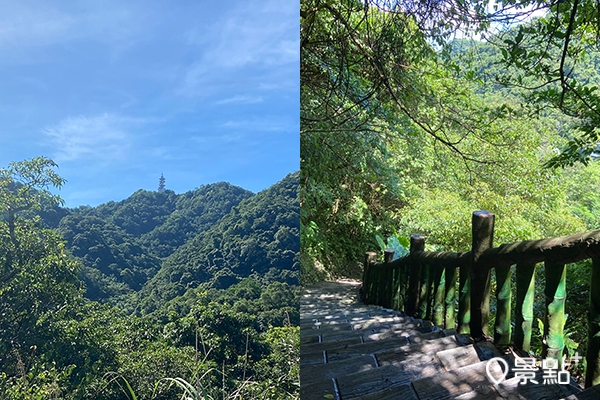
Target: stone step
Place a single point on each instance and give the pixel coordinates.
(357, 323)
(376, 315)
(316, 373)
(335, 351)
(377, 353)
(403, 392)
(320, 390)
(318, 343)
(472, 378)
(308, 348)
(417, 349)
(402, 372)
(418, 355)
(591, 393)
(511, 388)
(320, 336)
(348, 348)
(369, 331)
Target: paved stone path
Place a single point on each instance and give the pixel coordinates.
(353, 351)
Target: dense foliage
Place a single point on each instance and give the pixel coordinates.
(122, 244)
(406, 128)
(257, 238)
(229, 330)
(411, 136)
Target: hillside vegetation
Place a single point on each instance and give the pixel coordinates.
(155, 296)
(406, 129)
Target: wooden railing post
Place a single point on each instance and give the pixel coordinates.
(370, 258)
(502, 326)
(592, 375)
(524, 312)
(425, 284)
(417, 244)
(388, 279)
(555, 311)
(483, 235)
(388, 255)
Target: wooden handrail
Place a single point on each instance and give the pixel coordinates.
(563, 249)
(423, 284)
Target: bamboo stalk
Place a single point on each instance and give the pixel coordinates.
(376, 283)
(524, 313)
(398, 301)
(380, 284)
(503, 309)
(439, 282)
(450, 298)
(592, 376)
(555, 311)
(464, 301)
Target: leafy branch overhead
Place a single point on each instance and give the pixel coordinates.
(405, 118)
(549, 57)
(369, 70)
(367, 67)
(26, 184)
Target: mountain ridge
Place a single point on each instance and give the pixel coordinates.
(123, 246)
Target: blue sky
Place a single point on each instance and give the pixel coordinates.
(118, 92)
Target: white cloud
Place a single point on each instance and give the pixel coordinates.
(238, 99)
(219, 140)
(103, 137)
(34, 25)
(257, 124)
(21, 25)
(256, 35)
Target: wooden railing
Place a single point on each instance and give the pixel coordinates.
(423, 284)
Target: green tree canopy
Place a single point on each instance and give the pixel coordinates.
(38, 280)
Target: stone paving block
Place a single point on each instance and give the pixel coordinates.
(340, 352)
(373, 353)
(591, 393)
(403, 392)
(486, 351)
(422, 336)
(360, 384)
(321, 390)
(455, 383)
(512, 389)
(481, 393)
(458, 357)
(316, 373)
(425, 347)
(318, 347)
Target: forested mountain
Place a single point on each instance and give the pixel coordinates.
(123, 244)
(199, 289)
(259, 237)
